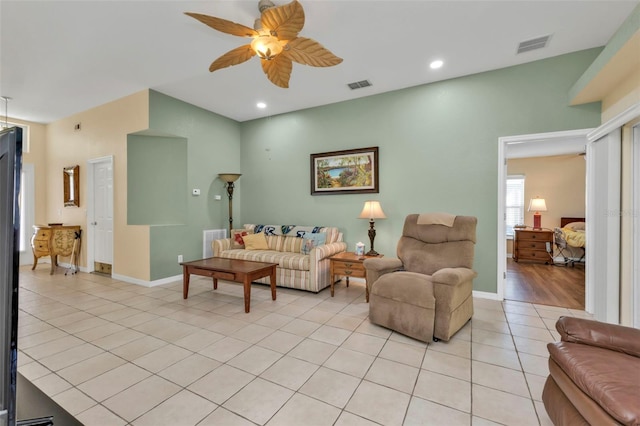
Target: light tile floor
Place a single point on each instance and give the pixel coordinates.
(113, 353)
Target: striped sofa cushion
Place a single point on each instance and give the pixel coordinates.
(295, 261)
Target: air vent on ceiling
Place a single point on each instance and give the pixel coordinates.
(533, 44)
(359, 84)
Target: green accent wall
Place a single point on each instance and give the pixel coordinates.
(438, 151)
(156, 179)
(209, 144)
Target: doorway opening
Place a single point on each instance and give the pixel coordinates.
(542, 267)
(535, 156)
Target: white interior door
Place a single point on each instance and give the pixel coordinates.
(100, 237)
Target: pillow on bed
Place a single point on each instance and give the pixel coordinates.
(575, 226)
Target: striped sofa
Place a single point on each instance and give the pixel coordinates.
(309, 272)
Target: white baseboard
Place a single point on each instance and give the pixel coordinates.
(144, 283)
(486, 295)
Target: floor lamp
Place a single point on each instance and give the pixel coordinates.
(371, 211)
(229, 178)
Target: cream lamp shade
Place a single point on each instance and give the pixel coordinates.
(372, 210)
(537, 205)
(229, 177)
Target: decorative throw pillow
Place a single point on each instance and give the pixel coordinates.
(310, 241)
(255, 242)
(238, 242)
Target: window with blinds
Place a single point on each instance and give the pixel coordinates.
(514, 203)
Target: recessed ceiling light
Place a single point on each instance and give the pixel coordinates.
(436, 64)
(261, 105)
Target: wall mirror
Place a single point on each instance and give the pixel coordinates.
(71, 180)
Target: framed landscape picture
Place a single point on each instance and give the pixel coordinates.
(354, 171)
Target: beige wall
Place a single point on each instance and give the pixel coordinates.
(560, 180)
(627, 91)
(103, 132)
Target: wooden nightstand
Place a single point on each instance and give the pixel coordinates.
(532, 245)
(350, 265)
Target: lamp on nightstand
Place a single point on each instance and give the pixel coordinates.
(372, 210)
(537, 205)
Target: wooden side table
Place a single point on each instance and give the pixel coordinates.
(350, 265)
(533, 245)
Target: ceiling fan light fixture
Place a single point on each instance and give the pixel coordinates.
(436, 64)
(267, 46)
(275, 41)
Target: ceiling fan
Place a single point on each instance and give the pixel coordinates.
(275, 42)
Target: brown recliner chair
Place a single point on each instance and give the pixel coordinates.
(427, 292)
(594, 374)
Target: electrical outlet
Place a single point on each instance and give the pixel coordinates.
(179, 258)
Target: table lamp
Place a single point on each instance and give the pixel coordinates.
(371, 211)
(537, 205)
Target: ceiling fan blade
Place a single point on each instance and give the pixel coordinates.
(278, 70)
(233, 57)
(223, 25)
(284, 22)
(309, 52)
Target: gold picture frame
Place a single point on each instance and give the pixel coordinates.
(71, 182)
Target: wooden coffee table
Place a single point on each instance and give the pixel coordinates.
(241, 271)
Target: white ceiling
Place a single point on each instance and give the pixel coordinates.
(58, 58)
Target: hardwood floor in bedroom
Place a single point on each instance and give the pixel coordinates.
(545, 284)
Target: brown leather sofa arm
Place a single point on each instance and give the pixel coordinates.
(453, 276)
(594, 333)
